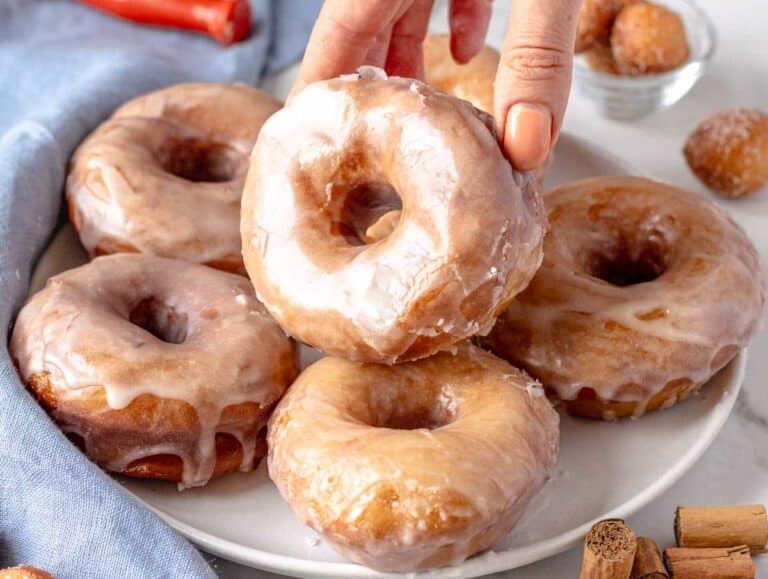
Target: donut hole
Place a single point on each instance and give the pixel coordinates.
(412, 409)
(161, 320)
(367, 212)
(200, 161)
(429, 419)
(623, 264)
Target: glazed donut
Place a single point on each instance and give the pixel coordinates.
(472, 82)
(157, 368)
(164, 175)
(729, 151)
(468, 239)
(413, 466)
(645, 292)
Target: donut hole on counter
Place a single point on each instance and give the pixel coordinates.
(201, 161)
(369, 213)
(161, 320)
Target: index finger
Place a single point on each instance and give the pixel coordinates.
(343, 34)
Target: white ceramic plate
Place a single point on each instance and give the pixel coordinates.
(605, 469)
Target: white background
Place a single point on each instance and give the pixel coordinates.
(735, 468)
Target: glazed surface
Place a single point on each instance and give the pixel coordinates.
(412, 466)
(645, 292)
(467, 240)
(164, 175)
(141, 356)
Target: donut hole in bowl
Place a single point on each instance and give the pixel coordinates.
(626, 261)
(161, 320)
(200, 161)
(367, 213)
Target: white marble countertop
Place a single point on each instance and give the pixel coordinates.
(735, 468)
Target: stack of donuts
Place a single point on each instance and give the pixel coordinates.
(380, 223)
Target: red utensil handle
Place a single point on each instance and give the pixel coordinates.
(227, 21)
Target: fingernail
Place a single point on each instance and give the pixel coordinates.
(528, 135)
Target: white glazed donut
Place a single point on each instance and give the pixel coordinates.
(412, 466)
(337, 157)
(164, 175)
(157, 368)
(645, 292)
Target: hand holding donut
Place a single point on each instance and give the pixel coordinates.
(534, 75)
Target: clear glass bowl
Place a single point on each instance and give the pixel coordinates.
(632, 97)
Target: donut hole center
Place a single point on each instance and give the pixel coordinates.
(200, 161)
(421, 411)
(369, 213)
(623, 264)
(161, 320)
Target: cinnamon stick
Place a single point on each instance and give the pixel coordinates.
(725, 526)
(710, 563)
(609, 549)
(648, 562)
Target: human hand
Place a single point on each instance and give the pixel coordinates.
(534, 76)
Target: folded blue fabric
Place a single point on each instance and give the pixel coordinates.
(63, 69)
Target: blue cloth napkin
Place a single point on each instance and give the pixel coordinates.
(64, 68)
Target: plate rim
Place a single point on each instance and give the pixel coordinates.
(493, 561)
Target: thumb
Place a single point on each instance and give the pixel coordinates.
(534, 78)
